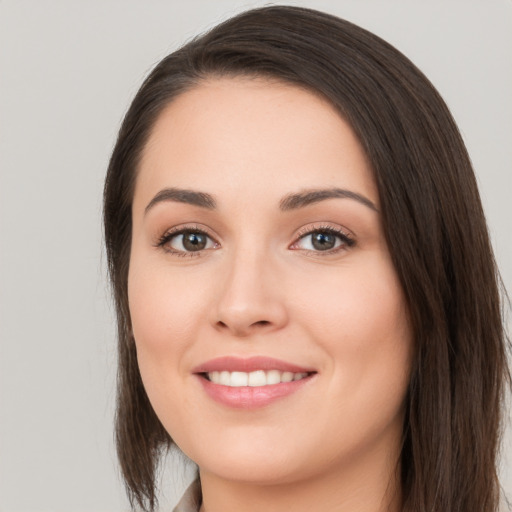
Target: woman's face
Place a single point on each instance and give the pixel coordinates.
(270, 326)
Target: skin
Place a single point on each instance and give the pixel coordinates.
(261, 288)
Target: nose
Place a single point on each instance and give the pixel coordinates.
(251, 297)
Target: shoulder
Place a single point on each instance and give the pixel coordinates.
(191, 499)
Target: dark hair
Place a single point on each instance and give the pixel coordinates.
(432, 219)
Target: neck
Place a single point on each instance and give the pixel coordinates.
(368, 485)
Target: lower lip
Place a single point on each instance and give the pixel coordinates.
(247, 397)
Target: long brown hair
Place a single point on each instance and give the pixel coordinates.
(433, 222)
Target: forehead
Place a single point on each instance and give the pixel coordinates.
(231, 134)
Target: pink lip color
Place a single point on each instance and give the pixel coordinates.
(248, 397)
(251, 364)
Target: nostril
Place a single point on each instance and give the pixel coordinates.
(262, 322)
(242, 329)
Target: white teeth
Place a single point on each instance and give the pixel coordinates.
(273, 377)
(224, 378)
(239, 379)
(253, 379)
(257, 378)
(287, 377)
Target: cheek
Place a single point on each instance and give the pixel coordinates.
(359, 316)
(361, 323)
(163, 311)
(353, 300)
(164, 322)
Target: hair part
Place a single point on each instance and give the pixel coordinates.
(433, 223)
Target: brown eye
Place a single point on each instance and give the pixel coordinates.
(322, 241)
(188, 241)
(194, 241)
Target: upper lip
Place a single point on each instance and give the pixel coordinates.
(251, 364)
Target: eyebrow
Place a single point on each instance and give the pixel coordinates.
(179, 195)
(289, 202)
(307, 197)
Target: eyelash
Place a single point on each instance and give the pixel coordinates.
(181, 230)
(347, 241)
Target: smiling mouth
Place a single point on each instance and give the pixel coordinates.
(251, 383)
(258, 378)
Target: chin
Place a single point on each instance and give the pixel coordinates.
(256, 469)
(244, 457)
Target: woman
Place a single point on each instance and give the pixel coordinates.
(307, 299)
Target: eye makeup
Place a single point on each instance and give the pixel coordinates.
(194, 240)
(319, 239)
(323, 240)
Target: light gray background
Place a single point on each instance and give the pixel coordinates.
(68, 70)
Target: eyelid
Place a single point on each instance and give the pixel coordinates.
(162, 240)
(346, 236)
